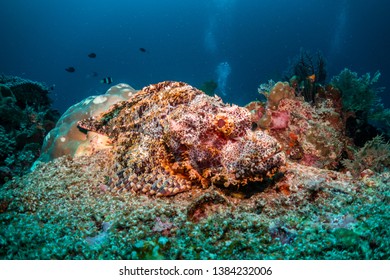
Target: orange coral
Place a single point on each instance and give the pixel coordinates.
(312, 134)
(279, 91)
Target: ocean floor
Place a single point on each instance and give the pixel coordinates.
(64, 210)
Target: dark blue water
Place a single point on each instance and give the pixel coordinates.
(186, 40)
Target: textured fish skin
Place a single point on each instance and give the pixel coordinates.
(170, 137)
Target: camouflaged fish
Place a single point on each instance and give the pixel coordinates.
(170, 137)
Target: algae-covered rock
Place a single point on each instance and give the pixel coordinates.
(25, 119)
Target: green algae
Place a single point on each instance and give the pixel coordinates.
(60, 211)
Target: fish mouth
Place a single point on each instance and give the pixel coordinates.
(267, 157)
(252, 161)
(273, 161)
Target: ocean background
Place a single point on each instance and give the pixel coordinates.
(186, 40)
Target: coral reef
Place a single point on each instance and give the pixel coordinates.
(322, 132)
(26, 93)
(359, 93)
(374, 156)
(310, 134)
(257, 183)
(306, 72)
(277, 92)
(25, 119)
(367, 116)
(67, 139)
(170, 137)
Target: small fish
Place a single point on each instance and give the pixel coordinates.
(142, 49)
(70, 69)
(92, 55)
(107, 80)
(312, 78)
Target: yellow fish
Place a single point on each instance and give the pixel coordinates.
(312, 78)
